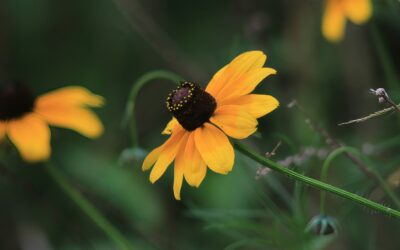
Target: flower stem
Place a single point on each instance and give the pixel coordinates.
(87, 207)
(373, 115)
(129, 117)
(342, 150)
(315, 183)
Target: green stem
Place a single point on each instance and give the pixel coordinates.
(324, 174)
(315, 183)
(87, 207)
(129, 117)
(337, 152)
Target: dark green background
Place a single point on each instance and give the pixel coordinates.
(106, 45)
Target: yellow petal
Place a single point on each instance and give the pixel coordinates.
(358, 11)
(69, 96)
(152, 157)
(235, 121)
(179, 167)
(334, 21)
(170, 126)
(167, 155)
(245, 84)
(3, 126)
(79, 119)
(213, 86)
(178, 179)
(31, 136)
(65, 108)
(256, 105)
(215, 148)
(195, 168)
(242, 64)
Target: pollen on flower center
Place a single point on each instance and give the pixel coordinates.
(181, 95)
(191, 105)
(15, 101)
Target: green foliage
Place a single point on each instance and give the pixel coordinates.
(107, 45)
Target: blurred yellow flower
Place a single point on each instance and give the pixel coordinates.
(204, 118)
(25, 119)
(337, 11)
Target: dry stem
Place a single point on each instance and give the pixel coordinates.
(331, 141)
(373, 115)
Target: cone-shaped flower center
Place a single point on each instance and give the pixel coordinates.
(15, 101)
(191, 105)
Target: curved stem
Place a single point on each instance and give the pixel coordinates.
(337, 152)
(315, 183)
(129, 117)
(88, 208)
(324, 174)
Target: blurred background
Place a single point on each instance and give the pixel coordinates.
(106, 45)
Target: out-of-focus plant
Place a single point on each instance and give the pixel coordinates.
(25, 118)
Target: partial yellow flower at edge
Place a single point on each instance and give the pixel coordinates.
(336, 13)
(26, 119)
(67, 108)
(203, 120)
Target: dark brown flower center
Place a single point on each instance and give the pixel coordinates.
(15, 101)
(191, 105)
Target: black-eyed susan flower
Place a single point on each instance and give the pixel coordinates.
(203, 120)
(337, 12)
(25, 119)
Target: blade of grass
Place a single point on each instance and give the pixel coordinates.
(88, 208)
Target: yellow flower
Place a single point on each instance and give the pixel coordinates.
(25, 119)
(203, 120)
(336, 12)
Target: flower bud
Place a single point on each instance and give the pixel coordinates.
(132, 156)
(322, 225)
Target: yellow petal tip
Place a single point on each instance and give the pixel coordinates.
(29, 160)
(98, 101)
(273, 71)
